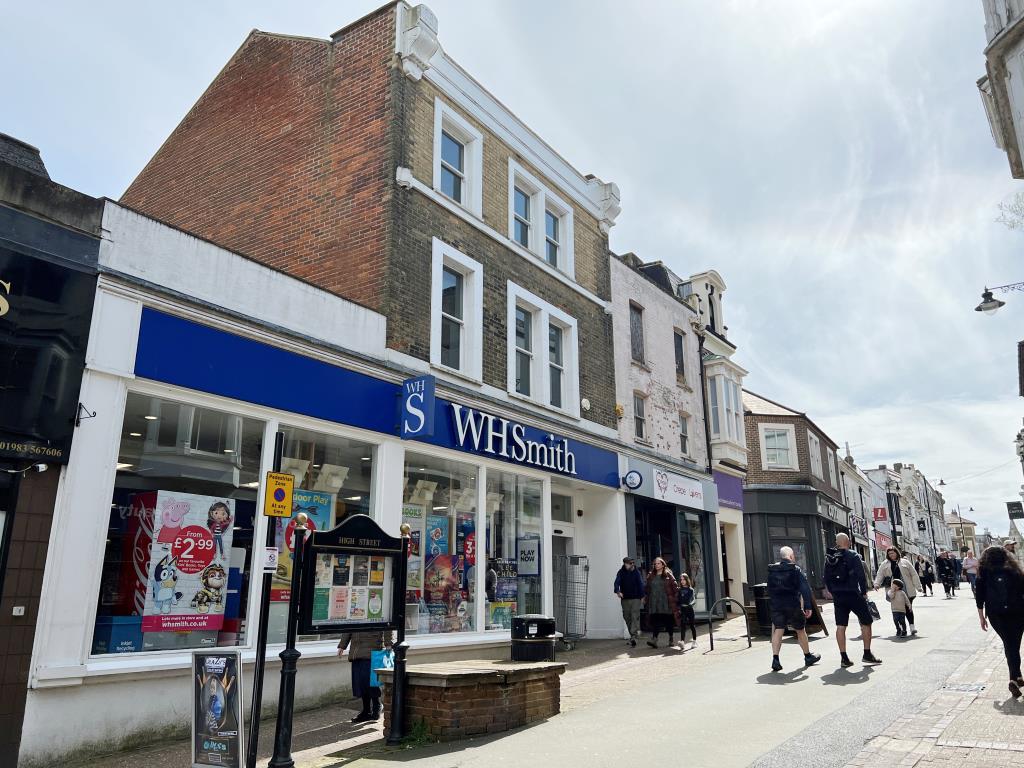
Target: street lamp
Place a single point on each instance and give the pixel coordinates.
(989, 304)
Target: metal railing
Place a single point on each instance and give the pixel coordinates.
(711, 613)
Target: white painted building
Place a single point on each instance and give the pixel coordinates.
(859, 494)
(1002, 85)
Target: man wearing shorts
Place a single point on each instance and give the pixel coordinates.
(790, 596)
(847, 585)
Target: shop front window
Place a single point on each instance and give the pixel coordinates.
(693, 557)
(176, 569)
(440, 506)
(514, 557)
(333, 477)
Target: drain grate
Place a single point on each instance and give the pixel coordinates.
(965, 687)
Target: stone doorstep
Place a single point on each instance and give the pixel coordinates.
(453, 674)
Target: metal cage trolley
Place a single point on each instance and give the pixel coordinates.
(570, 576)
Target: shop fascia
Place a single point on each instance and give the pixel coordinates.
(833, 512)
(657, 482)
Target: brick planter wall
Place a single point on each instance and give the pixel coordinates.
(461, 699)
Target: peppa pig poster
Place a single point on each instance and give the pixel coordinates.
(186, 582)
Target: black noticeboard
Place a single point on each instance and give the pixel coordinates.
(351, 579)
(217, 709)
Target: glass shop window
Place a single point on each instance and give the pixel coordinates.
(514, 557)
(176, 570)
(440, 505)
(333, 477)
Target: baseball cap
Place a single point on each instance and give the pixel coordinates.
(1009, 543)
(627, 560)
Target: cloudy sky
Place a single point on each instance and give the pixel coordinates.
(830, 159)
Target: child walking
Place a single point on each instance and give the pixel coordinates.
(900, 602)
(686, 598)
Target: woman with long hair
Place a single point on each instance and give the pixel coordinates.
(661, 600)
(999, 595)
(897, 567)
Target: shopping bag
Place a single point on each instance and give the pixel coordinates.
(380, 660)
(874, 609)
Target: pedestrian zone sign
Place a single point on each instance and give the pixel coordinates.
(277, 500)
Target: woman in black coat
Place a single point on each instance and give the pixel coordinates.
(999, 595)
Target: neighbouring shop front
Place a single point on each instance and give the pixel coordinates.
(674, 517)
(163, 546)
(805, 520)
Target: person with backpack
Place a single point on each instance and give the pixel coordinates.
(999, 596)
(896, 566)
(629, 586)
(847, 585)
(946, 571)
(927, 577)
(790, 597)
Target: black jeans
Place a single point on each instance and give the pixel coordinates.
(947, 584)
(900, 620)
(910, 612)
(662, 621)
(687, 620)
(1010, 628)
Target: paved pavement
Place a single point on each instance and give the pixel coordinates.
(934, 699)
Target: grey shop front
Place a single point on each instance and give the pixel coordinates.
(802, 518)
(674, 516)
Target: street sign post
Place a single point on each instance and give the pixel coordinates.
(277, 498)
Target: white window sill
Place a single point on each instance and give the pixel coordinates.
(643, 442)
(456, 374)
(540, 404)
(774, 468)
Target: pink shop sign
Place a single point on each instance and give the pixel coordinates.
(678, 489)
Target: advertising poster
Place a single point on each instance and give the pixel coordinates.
(414, 515)
(319, 509)
(528, 556)
(339, 603)
(217, 709)
(506, 586)
(436, 539)
(443, 574)
(500, 614)
(188, 563)
(358, 603)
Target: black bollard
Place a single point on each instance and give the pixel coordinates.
(289, 659)
(397, 730)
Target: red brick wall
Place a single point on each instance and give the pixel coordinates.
(756, 474)
(286, 158)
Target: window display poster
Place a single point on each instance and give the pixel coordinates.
(319, 509)
(188, 563)
(528, 556)
(500, 614)
(506, 587)
(414, 516)
(436, 539)
(443, 575)
(217, 709)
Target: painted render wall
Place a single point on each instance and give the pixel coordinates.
(667, 396)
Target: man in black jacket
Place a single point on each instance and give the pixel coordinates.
(847, 585)
(790, 596)
(629, 586)
(945, 569)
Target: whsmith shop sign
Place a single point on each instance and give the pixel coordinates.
(234, 366)
(45, 311)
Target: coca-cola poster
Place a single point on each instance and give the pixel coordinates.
(186, 582)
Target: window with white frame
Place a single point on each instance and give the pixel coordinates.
(729, 399)
(539, 220)
(456, 311)
(832, 467)
(814, 449)
(639, 416)
(543, 358)
(778, 446)
(737, 400)
(726, 407)
(458, 158)
(684, 434)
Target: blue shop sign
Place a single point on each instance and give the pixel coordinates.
(245, 369)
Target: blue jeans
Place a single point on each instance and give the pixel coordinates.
(973, 579)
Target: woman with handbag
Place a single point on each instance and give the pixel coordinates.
(896, 566)
(999, 597)
(361, 646)
(661, 601)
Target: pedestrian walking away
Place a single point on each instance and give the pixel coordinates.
(847, 585)
(927, 576)
(999, 596)
(896, 566)
(661, 600)
(361, 646)
(629, 586)
(958, 569)
(945, 570)
(790, 597)
(686, 599)
(971, 569)
(900, 602)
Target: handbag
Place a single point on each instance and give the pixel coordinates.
(380, 660)
(874, 609)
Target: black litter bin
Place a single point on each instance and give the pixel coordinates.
(533, 638)
(763, 608)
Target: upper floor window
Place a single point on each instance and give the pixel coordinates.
(679, 341)
(684, 434)
(639, 416)
(539, 220)
(458, 158)
(456, 316)
(832, 467)
(543, 352)
(814, 449)
(726, 408)
(636, 332)
(778, 446)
